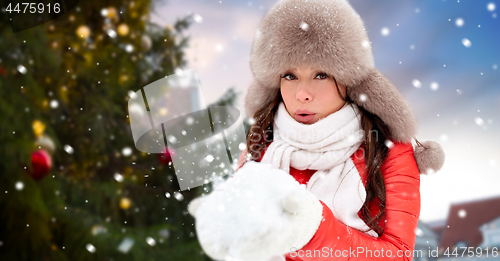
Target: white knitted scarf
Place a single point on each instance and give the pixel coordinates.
(325, 146)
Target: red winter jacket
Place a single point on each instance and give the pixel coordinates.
(335, 241)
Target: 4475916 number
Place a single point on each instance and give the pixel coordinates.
(34, 7)
(471, 252)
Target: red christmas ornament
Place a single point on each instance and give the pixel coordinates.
(41, 164)
(166, 156)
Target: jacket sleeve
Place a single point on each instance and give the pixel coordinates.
(336, 241)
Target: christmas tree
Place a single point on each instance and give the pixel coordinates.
(73, 185)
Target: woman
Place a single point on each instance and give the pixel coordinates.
(325, 115)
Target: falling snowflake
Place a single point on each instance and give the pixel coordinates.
(209, 158)
(172, 139)
(459, 22)
(126, 245)
(479, 121)
(118, 177)
(304, 26)
(68, 149)
(129, 48)
(111, 33)
(365, 44)
(385, 31)
(150, 241)
(434, 86)
(197, 18)
(22, 69)
(462, 213)
(127, 151)
(363, 97)
(466, 42)
(419, 232)
(90, 248)
(54, 104)
(491, 7)
(416, 83)
(19, 185)
(178, 196)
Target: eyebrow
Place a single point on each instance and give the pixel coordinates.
(314, 70)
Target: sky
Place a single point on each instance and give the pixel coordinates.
(442, 55)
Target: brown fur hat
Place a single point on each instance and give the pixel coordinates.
(329, 35)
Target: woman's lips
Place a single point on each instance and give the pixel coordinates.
(304, 116)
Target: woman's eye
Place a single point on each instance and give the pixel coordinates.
(322, 76)
(289, 77)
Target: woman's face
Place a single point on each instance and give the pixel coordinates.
(310, 94)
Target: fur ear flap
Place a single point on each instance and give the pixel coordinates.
(377, 95)
(429, 157)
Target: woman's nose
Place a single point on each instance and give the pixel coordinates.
(303, 92)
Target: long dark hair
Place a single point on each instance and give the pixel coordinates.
(375, 152)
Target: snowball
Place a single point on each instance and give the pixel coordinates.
(248, 204)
